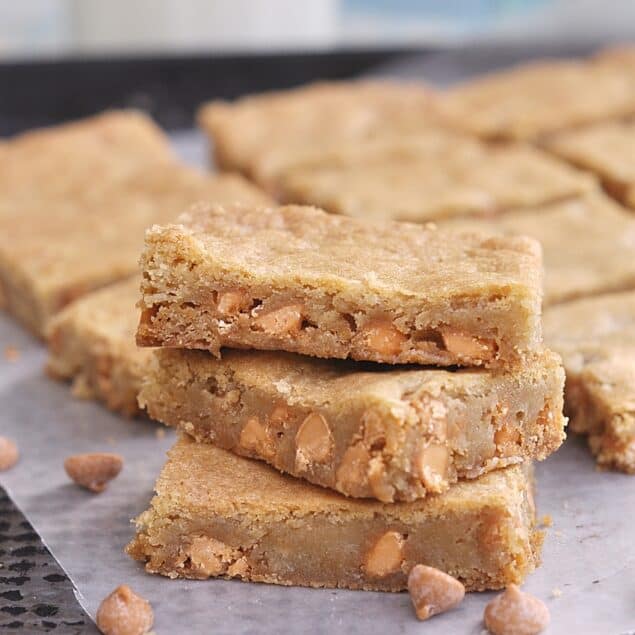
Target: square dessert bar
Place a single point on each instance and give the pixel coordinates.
(605, 149)
(452, 177)
(297, 279)
(588, 244)
(92, 343)
(55, 248)
(264, 135)
(219, 515)
(596, 337)
(534, 100)
(362, 429)
(82, 157)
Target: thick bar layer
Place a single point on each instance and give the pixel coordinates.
(588, 244)
(91, 342)
(430, 181)
(219, 515)
(364, 430)
(78, 227)
(596, 337)
(298, 279)
(264, 135)
(532, 101)
(605, 149)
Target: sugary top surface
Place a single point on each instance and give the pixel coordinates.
(296, 245)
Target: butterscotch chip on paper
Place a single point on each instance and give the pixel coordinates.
(362, 429)
(9, 453)
(596, 338)
(93, 470)
(532, 101)
(219, 515)
(453, 177)
(335, 287)
(75, 202)
(265, 135)
(588, 244)
(516, 613)
(433, 591)
(124, 612)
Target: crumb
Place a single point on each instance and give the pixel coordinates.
(111, 441)
(558, 534)
(9, 454)
(94, 470)
(124, 612)
(546, 520)
(11, 354)
(160, 433)
(556, 592)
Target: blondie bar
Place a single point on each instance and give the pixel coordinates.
(264, 135)
(363, 430)
(532, 101)
(297, 279)
(55, 248)
(219, 515)
(431, 182)
(91, 342)
(588, 244)
(596, 337)
(605, 149)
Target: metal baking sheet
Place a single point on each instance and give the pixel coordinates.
(587, 578)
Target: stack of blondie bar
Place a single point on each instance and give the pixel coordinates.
(392, 376)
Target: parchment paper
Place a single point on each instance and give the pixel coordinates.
(587, 579)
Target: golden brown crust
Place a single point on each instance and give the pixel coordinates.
(91, 342)
(76, 200)
(331, 286)
(216, 514)
(588, 244)
(596, 337)
(364, 430)
(535, 100)
(264, 135)
(432, 178)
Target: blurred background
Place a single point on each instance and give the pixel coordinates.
(61, 59)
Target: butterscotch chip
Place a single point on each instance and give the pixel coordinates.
(11, 353)
(314, 441)
(124, 612)
(283, 321)
(261, 525)
(516, 613)
(93, 470)
(466, 346)
(9, 453)
(231, 302)
(432, 463)
(385, 556)
(256, 438)
(382, 337)
(432, 591)
(315, 277)
(352, 473)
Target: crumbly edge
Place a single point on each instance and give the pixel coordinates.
(182, 307)
(181, 543)
(611, 434)
(364, 447)
(96, 368)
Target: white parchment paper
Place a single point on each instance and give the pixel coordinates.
(587, 579)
